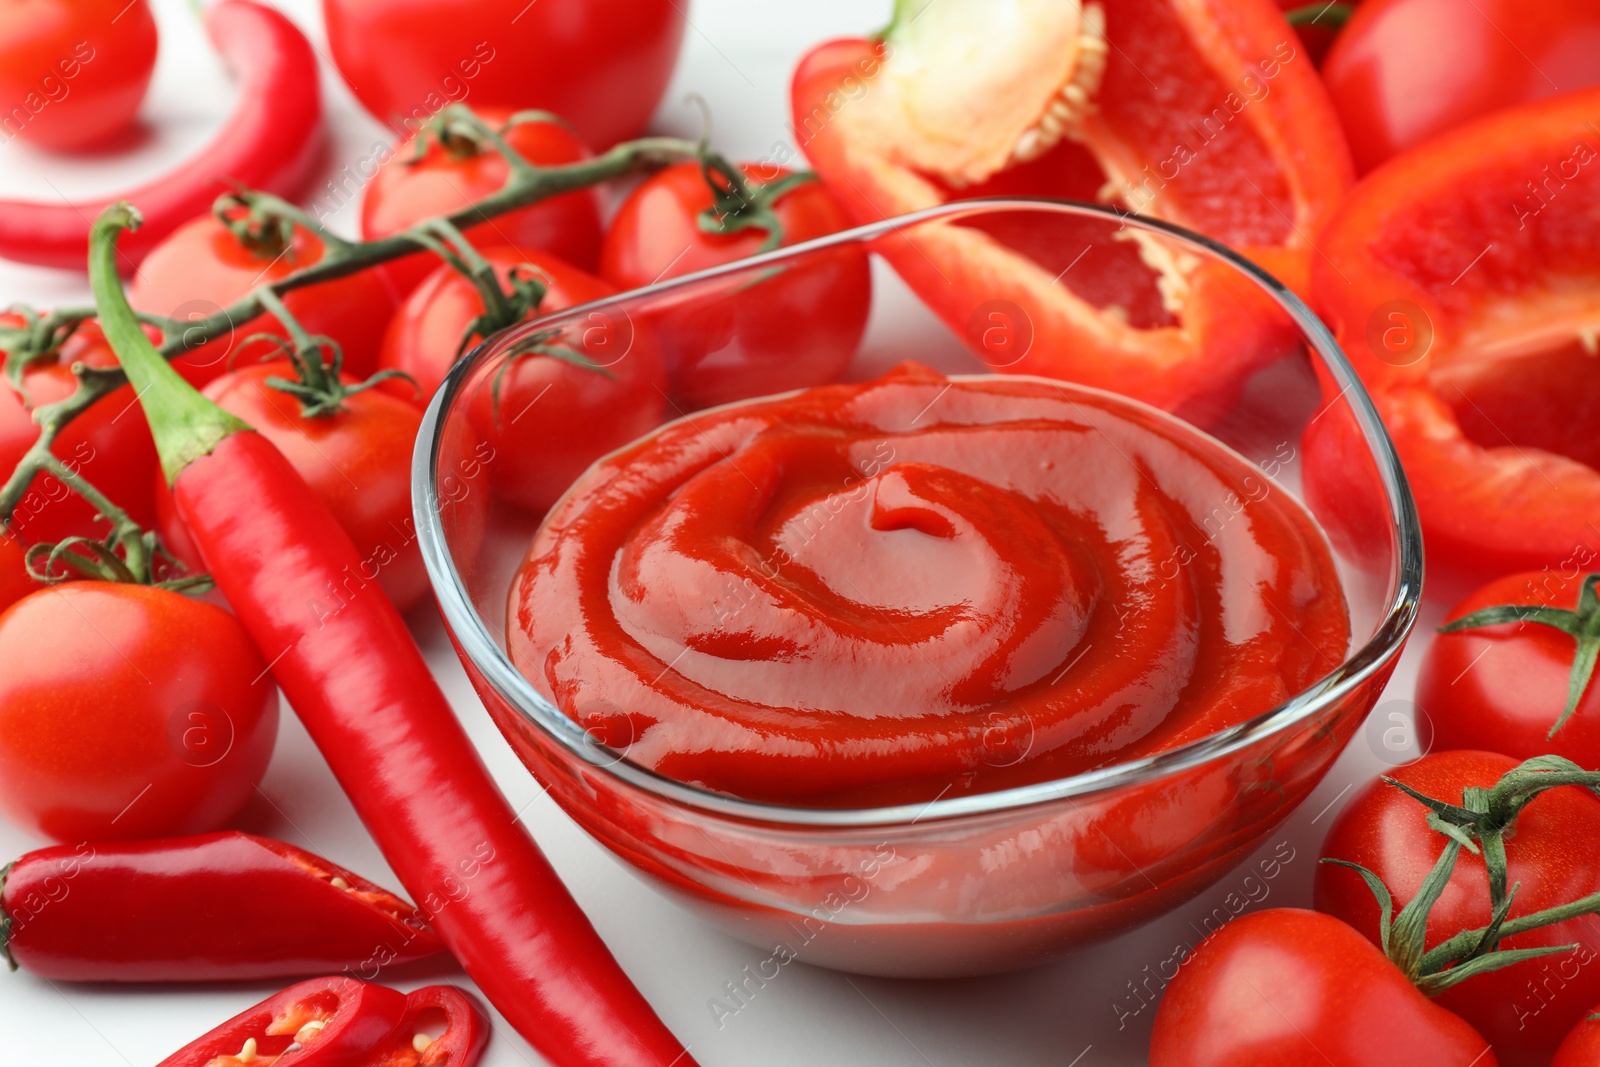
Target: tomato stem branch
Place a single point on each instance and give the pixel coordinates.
(527, 184)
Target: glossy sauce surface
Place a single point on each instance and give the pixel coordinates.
(919, 587)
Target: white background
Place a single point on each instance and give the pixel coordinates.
(738, 55)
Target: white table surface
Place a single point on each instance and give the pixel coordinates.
(738, 55)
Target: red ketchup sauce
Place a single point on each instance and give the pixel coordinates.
(917, 587)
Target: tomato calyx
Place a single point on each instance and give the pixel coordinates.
(1582, 625)
(1322, 15)
(540, 343)
(317, 384)
(255, 223)
(463, 134)
(737, 204)
(1483, 818)
(35, 339)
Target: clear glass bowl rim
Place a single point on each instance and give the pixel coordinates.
(474, 639)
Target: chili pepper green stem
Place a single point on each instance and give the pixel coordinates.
(185, 424)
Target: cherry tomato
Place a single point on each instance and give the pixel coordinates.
(581, 414)
(802, 332)
(602, 64)
(73, 72)
(357, 461)
(1405, 70)
(128, 711)
(1286, 987)
(452, 174)
(1504, 687)
(203, 267)
(109, 444)
(1582, 1046)
(1553, 851)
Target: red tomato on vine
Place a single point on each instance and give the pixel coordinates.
(1285, 987)
(804, 329)
(458, 167)
(128, 711)
(206, 265)
(545, 418)
(356, 457)
(109, 444)
(1552, 855)
(1513, 670)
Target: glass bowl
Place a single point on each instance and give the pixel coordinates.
(992, 881)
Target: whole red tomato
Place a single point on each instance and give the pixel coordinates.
(357, 460)
(1405, 70)
(1552, 851)
(1505, 687)
(203, 267)
(128, 711)
(802, 331)
(73, 72)
(545, 419)
(455, 170)
(1582, 1046)
(601, 64)
(109, 444)
(1286, 987)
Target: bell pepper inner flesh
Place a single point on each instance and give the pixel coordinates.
(1194, 112)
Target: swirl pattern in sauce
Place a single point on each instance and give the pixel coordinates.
(916, 587)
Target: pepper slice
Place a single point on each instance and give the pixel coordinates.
(1203, 113)
(466, 1031)
(213, 907)
(1460, 278)
(323, 1022)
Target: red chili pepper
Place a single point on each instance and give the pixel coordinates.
(466, 1031)
(360, 685)
(270, 142)
(215, 907)
(1460, 279)
(336, 1022)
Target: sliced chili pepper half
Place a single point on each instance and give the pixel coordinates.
(1204, 113)
(1461, 280)
(443, 1027)
(323, 1022)
(213, 907)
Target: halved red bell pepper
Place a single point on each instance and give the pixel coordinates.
(214, 907)
(1205, 113)
(1463, 280)
(413, 1044)
(324, 1022)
